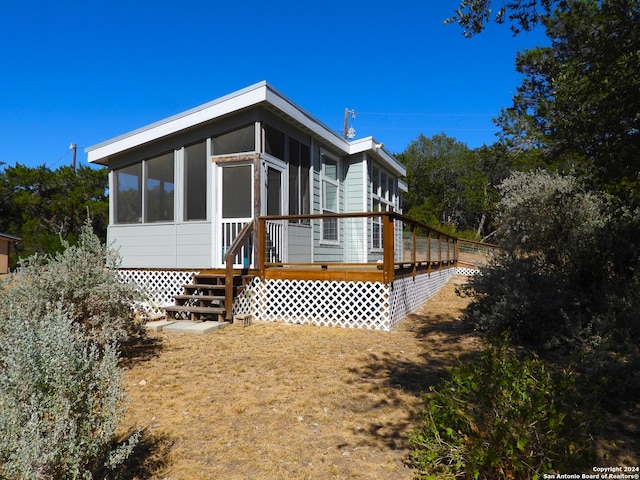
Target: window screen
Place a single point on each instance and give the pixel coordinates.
(237, 141)
(237, 185)
(128, 200)
(159, 188)
(195, 182)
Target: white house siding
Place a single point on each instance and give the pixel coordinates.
(299, 247)
(194, 245)
(162, 245)
(354, 229)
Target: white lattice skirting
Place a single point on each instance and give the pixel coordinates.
(158, 287)
(370, 305)
(467, 271)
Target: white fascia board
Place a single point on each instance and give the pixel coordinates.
(369, 144)
(247, 97)
(403, 186)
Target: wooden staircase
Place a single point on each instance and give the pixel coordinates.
(204, 298)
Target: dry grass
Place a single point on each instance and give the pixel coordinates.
(275, 401)
(290, 401)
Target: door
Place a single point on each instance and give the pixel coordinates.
(235, 201)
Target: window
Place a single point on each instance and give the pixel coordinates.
(274, 142)
(382, 195)
(195, 181)
(148, 184)
(376, 227)
(330, 197)
(236, 141)
(159, 188)
(299, 167)
(128, 198)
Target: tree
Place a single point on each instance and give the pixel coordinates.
(43, 207)
(447, 183)
(473, 15)
(578, 102)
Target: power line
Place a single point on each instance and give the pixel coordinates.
(419, 114)
(58, 160)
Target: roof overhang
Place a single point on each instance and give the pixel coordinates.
(9, 238)
(371, 146)
(259, 94)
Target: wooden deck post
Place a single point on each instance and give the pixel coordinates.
(414, 269)
(455, 252)
(389, 250)
(262, 246)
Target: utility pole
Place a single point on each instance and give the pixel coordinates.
(348, 132)
(73, 147)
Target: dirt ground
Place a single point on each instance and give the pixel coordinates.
(273, 400)
(276, 401)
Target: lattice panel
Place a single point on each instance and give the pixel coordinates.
(410, 293)
(344, 304)
(159, 287)
(469, 272)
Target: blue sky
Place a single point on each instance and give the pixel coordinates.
(83, 72)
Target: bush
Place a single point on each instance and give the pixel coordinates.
(60, 399)
(84, 276)
(501, 418)
(547, 285)
(61, 319)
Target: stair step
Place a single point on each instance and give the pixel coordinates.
(203, 287)
(206, 298)
(217, 279)
(188, 309)
(207, 288)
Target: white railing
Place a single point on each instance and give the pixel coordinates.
(276, 241)
(229, 231)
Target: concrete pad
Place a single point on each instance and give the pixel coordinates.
(206, 327)
(158, 325)
(199, 328)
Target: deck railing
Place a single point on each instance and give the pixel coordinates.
(474, 254)
(384, 242)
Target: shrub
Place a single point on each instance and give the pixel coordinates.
(500, 418)
(60, 399)
(545, 287)
(84, 276)
(61, 319)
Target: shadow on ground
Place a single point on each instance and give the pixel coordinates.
(139, 349)
(446, 341)
(149, 457)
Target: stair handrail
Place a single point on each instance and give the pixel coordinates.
(229, 257)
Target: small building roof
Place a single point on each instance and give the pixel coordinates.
(10, 238)
(260, 93)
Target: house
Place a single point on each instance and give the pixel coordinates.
(5, 243)
(250, 193)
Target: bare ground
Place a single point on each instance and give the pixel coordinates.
(290, 401)
(274, 401)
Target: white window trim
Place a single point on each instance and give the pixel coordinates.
(387, 202)
(336, 183)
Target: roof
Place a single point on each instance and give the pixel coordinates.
(11, 238)
(260, 93)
